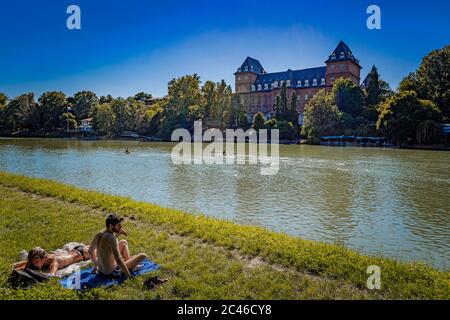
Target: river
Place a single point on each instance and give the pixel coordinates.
(389, 202)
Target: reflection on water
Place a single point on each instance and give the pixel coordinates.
(377, 201)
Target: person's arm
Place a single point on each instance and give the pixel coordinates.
(53, 267)
(123, 232)
(19, 265)
(119, 260)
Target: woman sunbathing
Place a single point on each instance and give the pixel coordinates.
(38, 259)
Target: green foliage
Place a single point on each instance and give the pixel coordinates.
(321, 117)
(349, 97)
(258, 121)
(104, 118)
(67, 119)
(293, 113)
(288, 131)
(271, 124)
(22, 112)
(146, 98)
(203, 257)
(53, 105)
(405, 119)
(433, 79)
(84, 103)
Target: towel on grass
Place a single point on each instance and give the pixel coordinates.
(87, 279)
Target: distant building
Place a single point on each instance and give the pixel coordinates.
(86, 125)
(258, 88)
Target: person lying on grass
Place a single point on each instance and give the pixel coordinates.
(50, 263)
(110, 256)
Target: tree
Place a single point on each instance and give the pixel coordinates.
(104, 118)
(277, 108)
(433, 79)
(349, 97)
(146, 98)
(258, 121)
(293, 113)
(373, 96)
(233, 114)
(217, 102)
(3, 104)
(83, 103)
(284, 102)
(405, 119)
(106, 99)
(26, 112)
(271, 124)
(53, 105)
(184, 93)
(321, 117)
(409, 83)
(67, 119)
(288, 131)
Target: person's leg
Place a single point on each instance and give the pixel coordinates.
(134, 261)
(124, 250)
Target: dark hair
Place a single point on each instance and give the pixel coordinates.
(113, 219)
(33, 254)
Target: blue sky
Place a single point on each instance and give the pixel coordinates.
(129, 46)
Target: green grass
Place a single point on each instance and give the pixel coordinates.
(204, 258)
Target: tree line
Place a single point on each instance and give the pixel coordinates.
(410, 115)
(186, 102)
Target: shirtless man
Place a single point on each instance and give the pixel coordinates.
(38, 259)
(112, 257)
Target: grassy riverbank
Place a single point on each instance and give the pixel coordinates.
(204, 258)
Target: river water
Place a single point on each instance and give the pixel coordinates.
(389, 202)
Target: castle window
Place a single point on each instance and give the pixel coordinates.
(253, 87)
(275, 84)
(288, 83)
(251, 67)
(333, 56)
(259, 87)
(306, 97)
(266, 86)
(306, 83)
(246, 68)
(239, 78)
(342, 55)
(299, 83)
(281, 83)
(315, 82)
(322, 82)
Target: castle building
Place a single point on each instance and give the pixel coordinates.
(258, 88)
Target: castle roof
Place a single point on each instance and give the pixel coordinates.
(251, 65)
(366, 81)
(294, 76)
(342, 53)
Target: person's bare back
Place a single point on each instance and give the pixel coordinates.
(109, 255)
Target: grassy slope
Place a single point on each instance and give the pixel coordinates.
(204, 258)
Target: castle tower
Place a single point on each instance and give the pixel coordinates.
(342, 64)
(247, 74)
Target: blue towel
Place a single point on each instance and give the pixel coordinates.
(87, 279)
